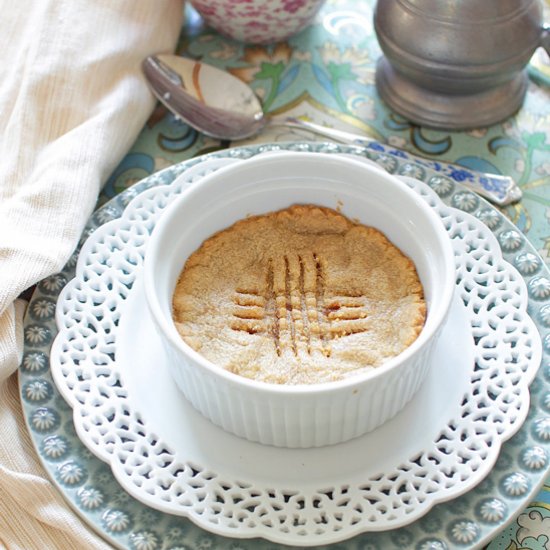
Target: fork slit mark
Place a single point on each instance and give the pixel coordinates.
(303, 304)
(272, 311)
(322, 318)
(289, 315)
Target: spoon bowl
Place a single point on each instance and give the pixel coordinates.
(190, 90)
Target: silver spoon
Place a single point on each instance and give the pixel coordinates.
(222, 106)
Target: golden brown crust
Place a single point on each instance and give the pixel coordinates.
(298, 296)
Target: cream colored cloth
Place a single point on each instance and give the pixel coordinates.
(72, 101)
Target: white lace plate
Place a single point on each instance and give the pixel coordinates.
(108, 365)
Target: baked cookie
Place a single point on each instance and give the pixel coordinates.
(299, 296)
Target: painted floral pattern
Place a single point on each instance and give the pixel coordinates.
(91, 498)
(493, 510)
(35, 361)
(71, 473)
(117, 521)
(55, 447)
(257, 21)
(464, 532)
(516, 484)
(37, 390)
(44, 419)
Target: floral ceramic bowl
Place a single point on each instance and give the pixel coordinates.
(257, 21)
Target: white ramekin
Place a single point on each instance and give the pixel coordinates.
(300, 415)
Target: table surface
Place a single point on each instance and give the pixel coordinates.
(326, 74)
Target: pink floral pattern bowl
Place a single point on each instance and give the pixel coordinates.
(257, 21)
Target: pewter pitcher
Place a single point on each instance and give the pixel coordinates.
(456, 64)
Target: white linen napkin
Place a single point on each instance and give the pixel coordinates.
(72, 101)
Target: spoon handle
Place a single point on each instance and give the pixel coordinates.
(499, 189)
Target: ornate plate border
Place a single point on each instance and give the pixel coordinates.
(87, 483)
